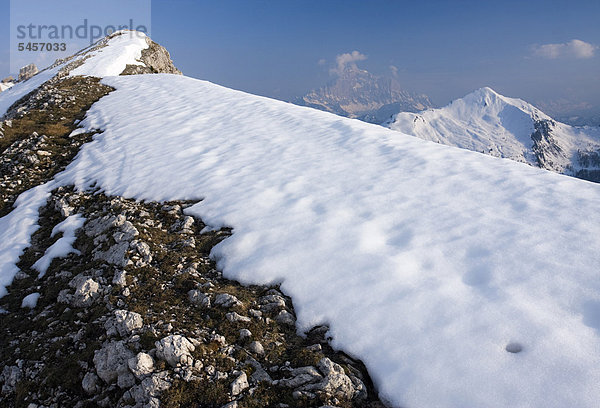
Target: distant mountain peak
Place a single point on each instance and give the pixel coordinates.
(488, 122)
(357, 93)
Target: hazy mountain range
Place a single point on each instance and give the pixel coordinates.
(356, 93)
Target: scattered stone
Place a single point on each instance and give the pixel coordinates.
(111, 363)
(257, 348)
(245, 334)
(175, 350)
(124, 323)
(285, 317)
(141, 365)
(233, 317)
(90, 383)
(199, 298)
(226, 300)
(86, 291)
(239, 384)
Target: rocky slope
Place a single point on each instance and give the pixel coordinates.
(117, 303)
(356, 93)
(487, 122)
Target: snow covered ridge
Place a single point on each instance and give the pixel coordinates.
(428, 262)
(124, 52)
(487, 122)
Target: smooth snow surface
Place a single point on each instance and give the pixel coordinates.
(30, 301)
(428, 262)
(121, 50)
(63, 246)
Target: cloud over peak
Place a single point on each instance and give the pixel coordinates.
(572, 49)
(347, 60)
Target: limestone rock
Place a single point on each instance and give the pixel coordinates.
(226, 300)
(239, 384)
(86, 291)
(199, 298)
(141, 365)
(175, 349)
(27, 72)
(111, 362)
(90, 383)
(123, 323)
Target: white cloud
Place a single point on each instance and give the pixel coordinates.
(322, 61)
(394, 70)
(346, 60)
(572, 49)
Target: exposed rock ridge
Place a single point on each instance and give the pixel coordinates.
(155, 324)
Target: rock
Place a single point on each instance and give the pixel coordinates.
(151, 387)
(124, 323)
(226, 300)
(260, 375)
(141, 365)
(143, 249)
(199, 298)
(90, 383)
(256, 348)
(120, 278)
(245, 334)
(111, 363)
(239, 384)
(156, 59)
(63, 207)
(301, 376)
(126, 232)
(126, 380)
(114, 255)
(232, 404)
(86, 291)
(175, 349)
(285, 317)
(27, 72)
(217, 338)
(186, 225)
(335, 384)
(270, 303)
(10, 377)
(234, 317)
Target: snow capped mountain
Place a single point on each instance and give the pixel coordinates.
(460, 280)
(356, 93)
(487, 122)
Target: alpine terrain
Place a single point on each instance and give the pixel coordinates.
(356, 93)
(487, 122)
(169, 242)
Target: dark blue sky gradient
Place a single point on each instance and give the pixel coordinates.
(442, 48)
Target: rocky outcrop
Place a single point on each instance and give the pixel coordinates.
(546, 150)
(166, 329)
(27, 72)
(156, 60)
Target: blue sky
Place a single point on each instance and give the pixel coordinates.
(444, 49)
